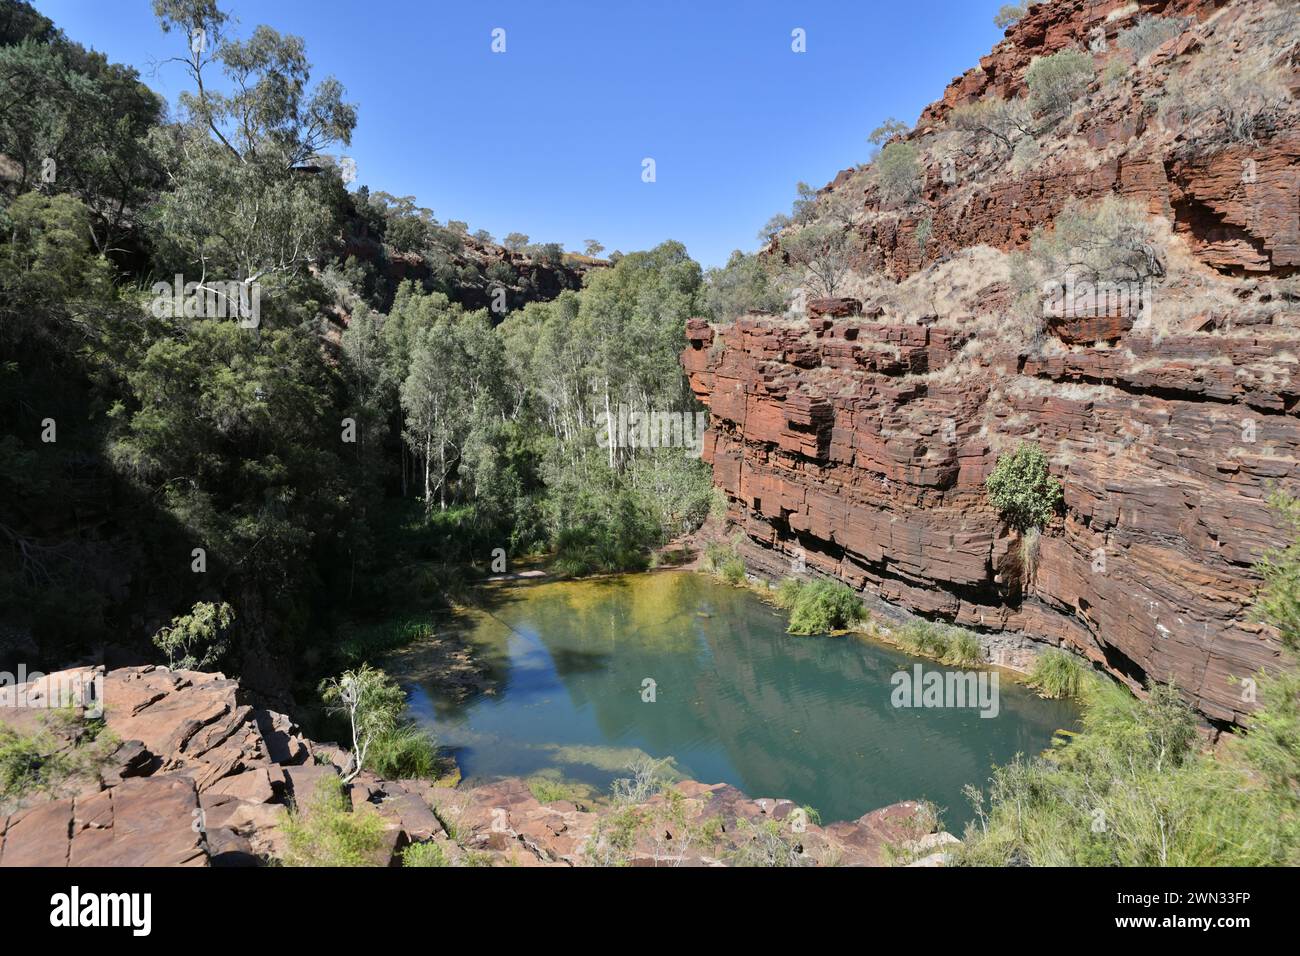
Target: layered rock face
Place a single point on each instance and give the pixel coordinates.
(1236, 205)
(860, 434)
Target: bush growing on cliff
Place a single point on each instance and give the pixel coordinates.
(325, 831)
(196, 641)
(1023, 490)
(1008, 15)
(898, 172)
(1149, 32)
(1056, 81)
(425, 854)
(1004, 121)
(825, 606)
(821, 255)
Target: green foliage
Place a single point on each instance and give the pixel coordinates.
(886, 131)
(787, 593)
(766, 843)
(1056, 81)
(425, 854)
(548, 788)
(898, 172)
(24, 764)
(1008, 15)
(1278, 600)
(723, 560)
(68, 749)
(196, 641)
(406, 752)
(825, 606)
(743, 285)
(1022, 489)
(372, 703)
(925, 638)
(1058, 674)
(325, 831)
(1129, 790)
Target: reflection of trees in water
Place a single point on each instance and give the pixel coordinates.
(775, 714)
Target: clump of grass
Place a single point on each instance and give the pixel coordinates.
(548, 788)
(787, 593)
(325, 832)
(1057, 674)
(963, 648)
(825, 606)
(425, 854)
(924, 638)
(724, 561)
(405, 752)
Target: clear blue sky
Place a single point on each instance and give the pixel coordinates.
(548, 138)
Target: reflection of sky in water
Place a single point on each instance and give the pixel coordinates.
(737, 700)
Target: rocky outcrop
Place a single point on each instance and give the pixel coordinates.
(1237, 222)
(190, 776)
(858, 436)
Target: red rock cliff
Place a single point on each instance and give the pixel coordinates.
(863, 432)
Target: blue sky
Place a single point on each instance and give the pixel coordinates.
(548, 138)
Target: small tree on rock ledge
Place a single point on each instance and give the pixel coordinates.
(1023, 490)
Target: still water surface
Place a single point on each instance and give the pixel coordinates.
(737, 700)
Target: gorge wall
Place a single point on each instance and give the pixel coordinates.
(859, 434)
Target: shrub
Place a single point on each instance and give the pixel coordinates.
(371, 702)
(1150, 32)
(196, 641)
(1003, 121)
(325, 832)
(821, 251)
(425, 854)
(1056, 81)
(1058, 674)
(1129, 790)
(1218, 107)
(825, 606)
(898, 172)
(767, 843)
(24, 764)
(1022, 490)
(1111, 244)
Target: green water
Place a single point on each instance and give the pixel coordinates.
(736, 699)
